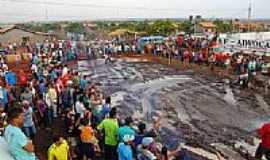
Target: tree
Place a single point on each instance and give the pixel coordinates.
(142, 26)
(132, 26)
(75, 27)
(186, 26)
(43, 27)
(222, 26)
(163, 28)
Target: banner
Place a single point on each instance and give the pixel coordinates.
(247, 42)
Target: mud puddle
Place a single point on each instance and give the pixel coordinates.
(204, 113)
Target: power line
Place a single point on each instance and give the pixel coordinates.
(87, 5)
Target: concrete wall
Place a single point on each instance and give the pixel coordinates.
(16, 35)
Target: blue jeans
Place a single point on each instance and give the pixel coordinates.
(48, 116)
(30, 131)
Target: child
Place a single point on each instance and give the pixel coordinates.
(88, 140)
(124, 148)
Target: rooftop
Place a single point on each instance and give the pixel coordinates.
(208, 24)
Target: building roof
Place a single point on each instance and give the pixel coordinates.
(90, 25)
(245, 25)
(121, 32)
(239, 25)
(5, 30)
(208, 24)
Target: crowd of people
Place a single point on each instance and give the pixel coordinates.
(50, 90)
(202, 51)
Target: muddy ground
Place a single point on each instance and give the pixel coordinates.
(201, 113)
(198, 110)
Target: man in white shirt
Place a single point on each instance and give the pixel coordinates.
(65, 70)
(79, 107)
(34, 68)
(53, 96)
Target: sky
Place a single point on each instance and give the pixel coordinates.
(52, 10)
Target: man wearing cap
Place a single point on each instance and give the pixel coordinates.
(124, 149)
(144, 149)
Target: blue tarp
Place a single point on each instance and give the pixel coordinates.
(144, 40)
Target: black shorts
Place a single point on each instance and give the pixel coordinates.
(87, 149)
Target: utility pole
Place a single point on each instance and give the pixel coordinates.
(46, 10)
(249, 17)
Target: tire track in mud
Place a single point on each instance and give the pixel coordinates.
(207, 132)
(167, 132)
(193, 110)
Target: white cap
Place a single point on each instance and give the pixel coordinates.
(128, 138)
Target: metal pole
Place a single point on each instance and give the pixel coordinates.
(46, 10)
(249, 17)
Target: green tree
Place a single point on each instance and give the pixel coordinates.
(132, 26)
(223, 26)
(43, 27)
(164, 28)
(75, 27)
(50, 27)
(186, 26)
(142, 26)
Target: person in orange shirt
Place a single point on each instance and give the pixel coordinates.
(66, 78)
(88, 141)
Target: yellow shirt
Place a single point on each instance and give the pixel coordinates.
(53, 94)
(58, 152)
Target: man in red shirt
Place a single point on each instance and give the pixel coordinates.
(23, 78)
(180, 41)
(66, 78)
(264, 147)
